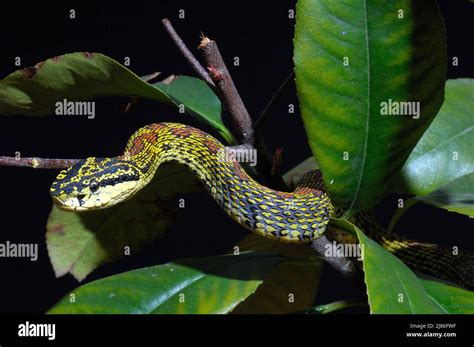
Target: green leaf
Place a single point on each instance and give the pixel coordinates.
(456, 196)
(451, 299)
(440, 170)
(298, 276)
(360, 150)
(202, 285)
(80, 242)
(444, 153)
(391, 286)
(34, 91)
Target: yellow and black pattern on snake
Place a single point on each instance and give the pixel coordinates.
(300, 216)
(96, 183)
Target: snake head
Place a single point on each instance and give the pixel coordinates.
(95, 183)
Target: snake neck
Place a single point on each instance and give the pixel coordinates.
(156, 144)
(292, 217)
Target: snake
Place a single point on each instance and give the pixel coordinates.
(300, 216)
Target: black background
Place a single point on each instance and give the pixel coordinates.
(259, 33)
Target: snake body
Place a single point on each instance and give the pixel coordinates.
(300, 216)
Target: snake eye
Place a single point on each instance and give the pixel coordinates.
(94, 186)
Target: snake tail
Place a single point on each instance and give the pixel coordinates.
(447, 263)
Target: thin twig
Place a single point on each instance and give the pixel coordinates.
(267, 164)
(264, 114)
(196, 65)
(37, 163)
(227, 92)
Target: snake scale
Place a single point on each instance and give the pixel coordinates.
(299, 216)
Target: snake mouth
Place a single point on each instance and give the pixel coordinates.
(70, 203)
(81, 202)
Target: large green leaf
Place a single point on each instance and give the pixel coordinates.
(444, 153)
(391, 286)
(291, 287)
(202, 285)
(35, 90)
(451, 299)
(360, 150)
(80, 242)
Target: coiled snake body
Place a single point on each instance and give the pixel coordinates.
(300, 216)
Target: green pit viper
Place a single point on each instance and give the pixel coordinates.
(299, 216)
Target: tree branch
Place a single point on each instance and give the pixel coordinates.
(200, 70)
(233, 107)
(37, 163)
(227, 92)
